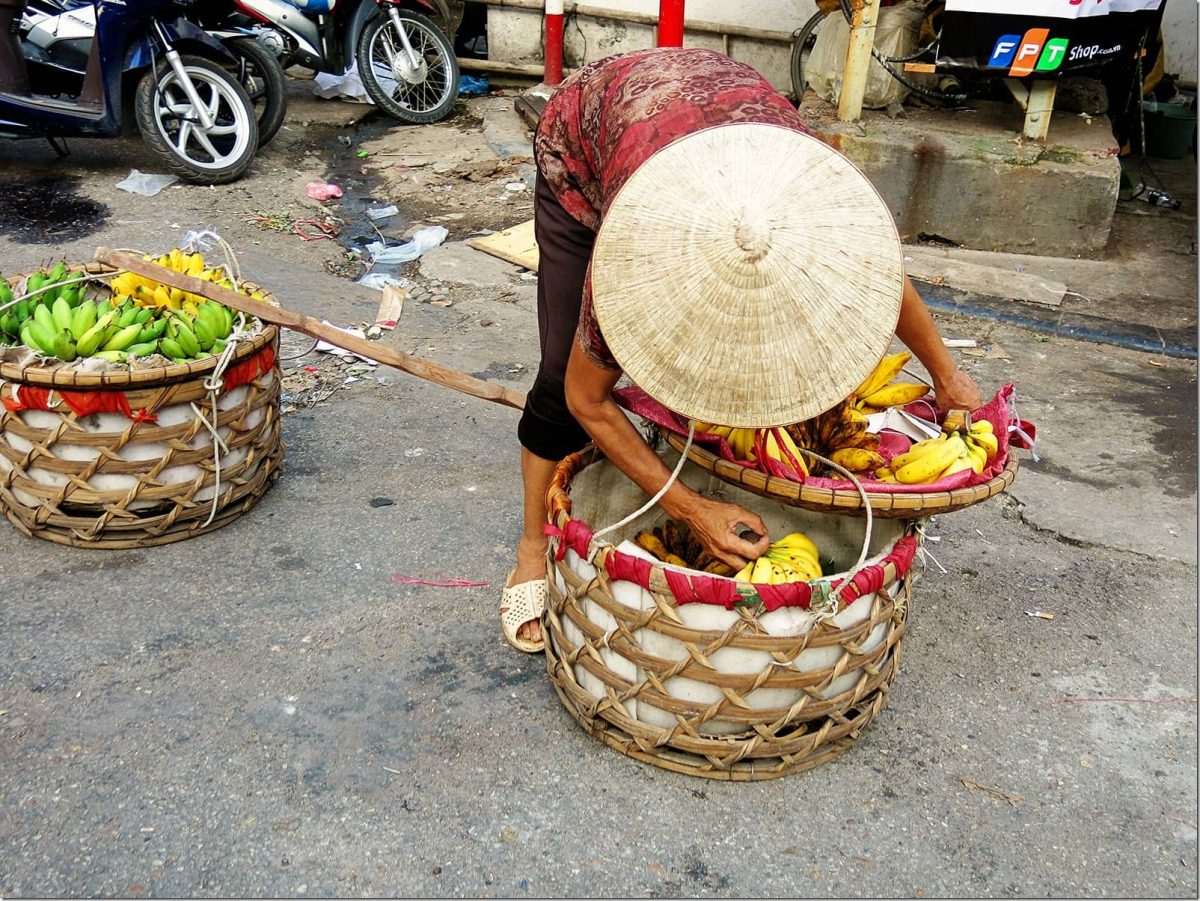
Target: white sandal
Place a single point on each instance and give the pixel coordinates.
(520, 604)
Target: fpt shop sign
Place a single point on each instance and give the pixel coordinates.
(1043, 38)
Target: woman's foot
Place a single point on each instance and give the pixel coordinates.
(531, 566)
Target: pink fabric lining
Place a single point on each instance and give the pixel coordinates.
(891, 443)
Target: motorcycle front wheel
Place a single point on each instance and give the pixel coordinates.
(420, 93)
(171, 125)
(259, 71)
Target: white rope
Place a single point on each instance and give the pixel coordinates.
(213, 385)
(835, 596)
(661, 491)
(203, 240)
(1014, 426)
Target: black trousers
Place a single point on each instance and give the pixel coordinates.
(547, 428)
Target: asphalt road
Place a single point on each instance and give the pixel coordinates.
(263, 711)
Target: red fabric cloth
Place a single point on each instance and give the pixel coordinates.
(250, 368)
(628, 568)
(81, 403)
(611, 116)
(701, 588)
(85, 403)
(577, 536)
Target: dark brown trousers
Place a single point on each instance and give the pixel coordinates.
(547, 428)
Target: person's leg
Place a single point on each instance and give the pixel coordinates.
(547, 430)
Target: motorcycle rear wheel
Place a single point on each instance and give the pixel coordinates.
(419, 96)
(170, 125)
(259, 71)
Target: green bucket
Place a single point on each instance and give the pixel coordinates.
(1170, 129)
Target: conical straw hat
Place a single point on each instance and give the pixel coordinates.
(747, 275)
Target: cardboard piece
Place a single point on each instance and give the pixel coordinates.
(513, 245)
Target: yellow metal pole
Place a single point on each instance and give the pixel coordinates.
(858, 59)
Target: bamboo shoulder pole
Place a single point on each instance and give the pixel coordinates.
(422, 369)
(858, 59)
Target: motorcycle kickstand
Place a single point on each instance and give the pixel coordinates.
(60, 147)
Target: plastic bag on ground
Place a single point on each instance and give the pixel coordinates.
(423, 241)
(145, 184)
(341, 87)
(471, 86)
(895, 35)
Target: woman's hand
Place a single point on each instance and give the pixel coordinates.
(957, 391)
(716, 525)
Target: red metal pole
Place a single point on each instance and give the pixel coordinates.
(554, 42)
(670, 23)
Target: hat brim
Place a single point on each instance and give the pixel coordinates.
(747, 275)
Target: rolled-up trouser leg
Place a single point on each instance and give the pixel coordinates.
(547, 428)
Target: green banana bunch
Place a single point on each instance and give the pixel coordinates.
(123, 338)
(83, 318)
(58, 321)
(89, 342)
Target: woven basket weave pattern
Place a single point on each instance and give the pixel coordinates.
(884, 505)
(816, 691)
(105, 480)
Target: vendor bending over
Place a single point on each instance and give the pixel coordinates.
(749, 276)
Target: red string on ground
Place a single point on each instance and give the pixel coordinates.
(401, 579)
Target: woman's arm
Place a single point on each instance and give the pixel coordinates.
(715, 524)
(955, 390)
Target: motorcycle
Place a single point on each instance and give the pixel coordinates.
(76, 81)
(258, 70)
(406, 63)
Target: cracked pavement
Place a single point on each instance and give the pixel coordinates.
(263, 712)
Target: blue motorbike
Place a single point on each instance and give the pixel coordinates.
(128, 62)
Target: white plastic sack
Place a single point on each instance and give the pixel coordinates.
(341, 87)
(895, 35)
(424, 240)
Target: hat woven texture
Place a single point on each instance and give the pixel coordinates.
(747, 275)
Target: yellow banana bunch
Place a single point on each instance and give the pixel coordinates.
(886, 370)
(793, 558)
(896, 394)
(744, 444)
(878, 392)
(936, 458)
(148, 293)
(784, 450)
(857, 459)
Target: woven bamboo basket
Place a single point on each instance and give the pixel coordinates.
(847, 501)
(753, 688)
(120, 458)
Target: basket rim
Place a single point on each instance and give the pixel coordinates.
(894, 505)
(559, 507)
(126, 378)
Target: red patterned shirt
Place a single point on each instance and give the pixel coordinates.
(611, 116)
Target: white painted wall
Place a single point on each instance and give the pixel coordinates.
(516, 35)
(1179, 31)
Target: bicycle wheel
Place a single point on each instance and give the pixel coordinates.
(802, 48)
(417, 94)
